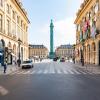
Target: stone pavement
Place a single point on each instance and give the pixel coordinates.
(10, 69)
(89, 67)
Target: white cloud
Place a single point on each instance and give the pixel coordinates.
(64, 32)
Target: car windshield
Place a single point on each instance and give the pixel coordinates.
(24, 62)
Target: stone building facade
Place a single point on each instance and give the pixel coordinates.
(13, 27)
(39, 51)
(88, 32)
(64, 51)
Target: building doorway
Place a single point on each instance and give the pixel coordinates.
(88, 54)
(93, 55)
(2, 53)
(99, 52)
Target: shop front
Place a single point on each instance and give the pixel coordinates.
(99, 52)
(2, 51)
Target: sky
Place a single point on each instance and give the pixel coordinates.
(63, 14)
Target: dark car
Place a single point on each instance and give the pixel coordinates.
(55, 59)
(27, 64)
(62, 60)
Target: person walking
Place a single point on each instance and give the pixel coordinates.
(5, 65)
(18, 62)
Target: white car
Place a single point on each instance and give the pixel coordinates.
(27, 64)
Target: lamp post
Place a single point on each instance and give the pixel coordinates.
(19, 60)
(82, 54)
(73, 56)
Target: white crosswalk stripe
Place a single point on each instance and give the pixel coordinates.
(59, 71)
(28, 72)
(76, 72)
(70, 72)
(45, 72)
(82, 72)
(65, 72)
(39, 72)
(16, 72)
(21, 72)
(50, 71)
(33, 72)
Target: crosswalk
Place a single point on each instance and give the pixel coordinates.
(54, 71)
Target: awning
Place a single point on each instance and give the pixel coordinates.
(1, 54)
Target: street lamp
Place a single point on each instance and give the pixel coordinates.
(19, 60)
(82, 53)
(73, 53)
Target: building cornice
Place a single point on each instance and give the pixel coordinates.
(19, 4)
(83, 8)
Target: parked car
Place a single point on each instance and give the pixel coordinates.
(62, 60)
(27, 64)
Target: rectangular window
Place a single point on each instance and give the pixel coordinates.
(78, 27)
(8, 9)
(13, 28)
(26, 29)
(21, 23)
(13, 15)
(1, 19)
(18, 32)
(1, 3)
(8, 26)
(18, 19)
(96, 7)
(90, 15)
(23, 26)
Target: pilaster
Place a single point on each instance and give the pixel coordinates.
(97, 53)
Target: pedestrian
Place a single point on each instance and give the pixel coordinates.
(5, 65)
(18, 62)
(74, 60)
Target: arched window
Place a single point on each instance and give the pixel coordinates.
(88, 53)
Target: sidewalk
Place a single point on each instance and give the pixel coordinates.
(10, 69)
(89, 67)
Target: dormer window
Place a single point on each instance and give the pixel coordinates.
(96, 7)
